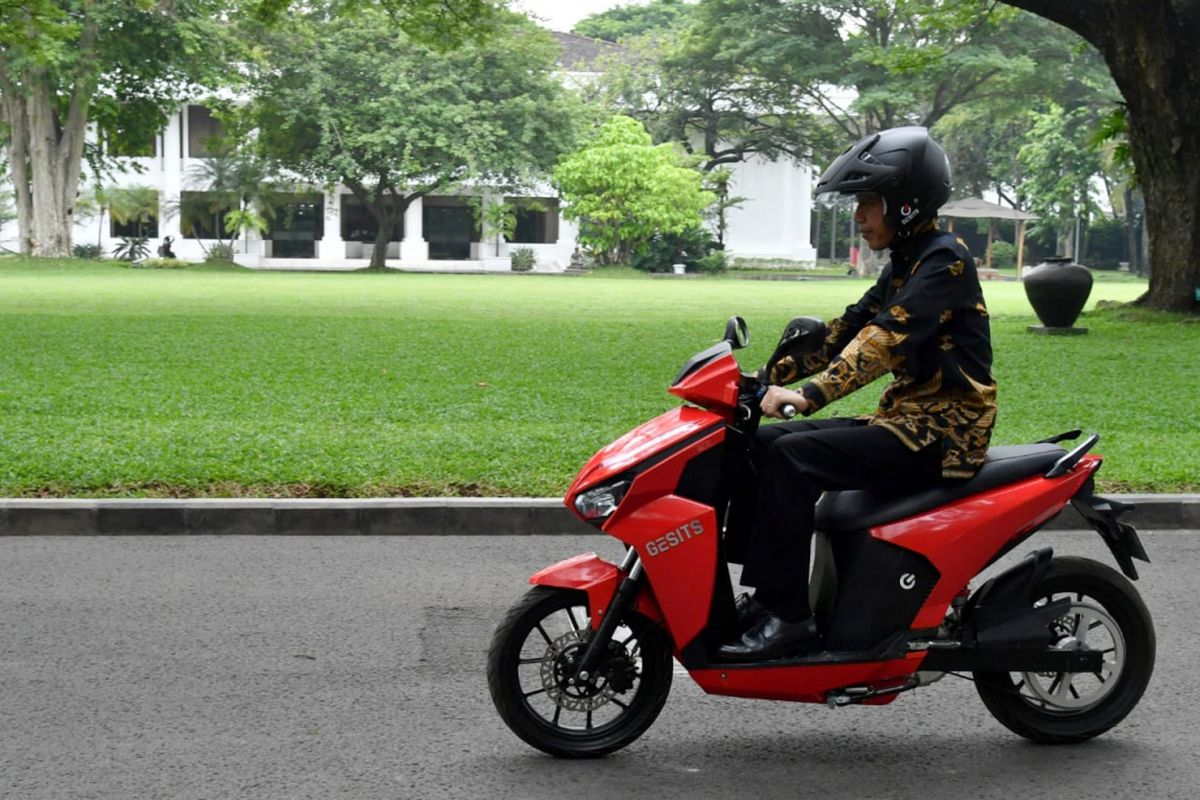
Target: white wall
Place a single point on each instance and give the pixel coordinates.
(774, 221)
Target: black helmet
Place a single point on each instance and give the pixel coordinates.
(904, 165)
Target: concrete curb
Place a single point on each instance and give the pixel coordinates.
(401, 516)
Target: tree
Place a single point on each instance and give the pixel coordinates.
(627, 21)
(65, 62)
(623, 190)
(984, 135)
(685, 88)
(1059, 168)
(907, 61)
(351, 100)
(231, 181)
(126, 64)
(1149, 48)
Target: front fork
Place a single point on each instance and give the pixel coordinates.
(621, 602)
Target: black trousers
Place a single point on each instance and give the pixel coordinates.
(793, 463)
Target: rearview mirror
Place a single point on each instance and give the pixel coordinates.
(737, 333)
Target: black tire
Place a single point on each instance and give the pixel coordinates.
(1051, 709)
(528, 661)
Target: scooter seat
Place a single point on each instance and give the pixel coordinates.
(857, 510)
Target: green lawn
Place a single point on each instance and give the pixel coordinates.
(214, 381)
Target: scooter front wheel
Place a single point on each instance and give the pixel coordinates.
(532, 674)
(1106, 614)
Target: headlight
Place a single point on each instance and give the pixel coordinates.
(598, 504)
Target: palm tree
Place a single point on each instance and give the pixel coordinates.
(232, 194)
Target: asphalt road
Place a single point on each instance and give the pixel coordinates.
(304, 667)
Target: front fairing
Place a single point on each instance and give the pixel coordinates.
(642, 443)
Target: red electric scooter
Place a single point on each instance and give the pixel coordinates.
(1060, 648)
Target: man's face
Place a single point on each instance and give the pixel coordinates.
(871, 222)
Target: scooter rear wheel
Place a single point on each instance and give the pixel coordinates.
(531, 674)
(1064, 708)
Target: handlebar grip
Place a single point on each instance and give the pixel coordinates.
(788, 410)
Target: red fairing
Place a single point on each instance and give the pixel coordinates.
(714, 385)
(676, 539)
(806, 684)
(598, 578)
(642, 442)
(961, 538)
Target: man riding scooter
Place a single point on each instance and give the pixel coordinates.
(925, 321)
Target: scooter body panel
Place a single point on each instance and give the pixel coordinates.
(598, 578)
(961, 538)
(648, 440)
(804, 684)
(676, 539)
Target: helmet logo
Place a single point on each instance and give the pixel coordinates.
(907, 212)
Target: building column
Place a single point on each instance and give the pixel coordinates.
(331, 245)
(172, 182)
(413, 246)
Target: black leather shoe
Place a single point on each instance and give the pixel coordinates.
(749, 611)
(772, 637)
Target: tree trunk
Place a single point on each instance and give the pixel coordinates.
(1130, 225)
(1064, 242)
(1150, 49)
(383, 237)
(47, 179)
(18, 158)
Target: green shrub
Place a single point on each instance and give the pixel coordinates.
(713, 262)
(220, 252)
(161, 263)
(523, 258)
(92, 252)
(1004, 255)
(664, 250)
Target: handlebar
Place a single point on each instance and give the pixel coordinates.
(752, 391)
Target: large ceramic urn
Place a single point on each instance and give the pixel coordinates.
(1057, 290)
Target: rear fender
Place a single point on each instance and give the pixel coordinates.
(1122, 538)
(1002, 612)
(599, 579)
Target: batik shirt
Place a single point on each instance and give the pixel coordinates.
(924, 321)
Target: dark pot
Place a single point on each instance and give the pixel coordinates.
(1057, 290)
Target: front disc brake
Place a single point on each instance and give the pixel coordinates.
(558, 668)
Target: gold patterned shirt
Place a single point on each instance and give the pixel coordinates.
(924, 321)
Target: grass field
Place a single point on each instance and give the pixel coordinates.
(213, 381)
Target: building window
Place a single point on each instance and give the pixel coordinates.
(129, 229)
(450, 227)
(298, 222)
(359, 226)
(202, 215)
(203, 127)
(537, 220)
(132, 211)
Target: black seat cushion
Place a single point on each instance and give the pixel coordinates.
(857, 510)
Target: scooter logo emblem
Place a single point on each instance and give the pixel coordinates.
(674, 538)
(908, 581)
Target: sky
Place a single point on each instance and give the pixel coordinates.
(561, 15)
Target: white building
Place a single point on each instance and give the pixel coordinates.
(439, 232)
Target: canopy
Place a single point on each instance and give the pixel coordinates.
(978, 208)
